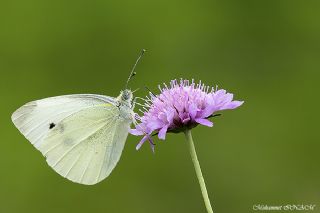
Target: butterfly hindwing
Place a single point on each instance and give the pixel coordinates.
(86, 146)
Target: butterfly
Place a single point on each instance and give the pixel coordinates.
(82, 136)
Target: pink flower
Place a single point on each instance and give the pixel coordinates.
(179, 107)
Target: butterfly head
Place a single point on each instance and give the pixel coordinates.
(126, 95)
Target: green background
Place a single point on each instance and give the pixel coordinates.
(265, 52)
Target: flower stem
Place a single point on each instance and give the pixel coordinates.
(198, 170)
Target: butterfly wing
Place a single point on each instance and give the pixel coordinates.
(87, 138)
(34, 118)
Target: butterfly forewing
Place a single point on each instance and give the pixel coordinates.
(35, 118)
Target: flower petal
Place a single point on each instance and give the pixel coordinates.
(192, 110)
(210, 107)
(170, 115)
(204, 122)
(162, 133)
(141, 142)
(232, 105)
(220, 92)
(135, 132)
(154, 124)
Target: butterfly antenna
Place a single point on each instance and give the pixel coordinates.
(133, 73)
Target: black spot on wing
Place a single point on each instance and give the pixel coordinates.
(51, 125)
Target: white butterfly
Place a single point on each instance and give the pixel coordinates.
(82, 136)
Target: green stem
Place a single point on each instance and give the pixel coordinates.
(198, 170)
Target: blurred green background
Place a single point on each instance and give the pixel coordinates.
(266, 52)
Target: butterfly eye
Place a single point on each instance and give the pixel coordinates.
(126, 95)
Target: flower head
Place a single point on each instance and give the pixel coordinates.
(181, 106)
